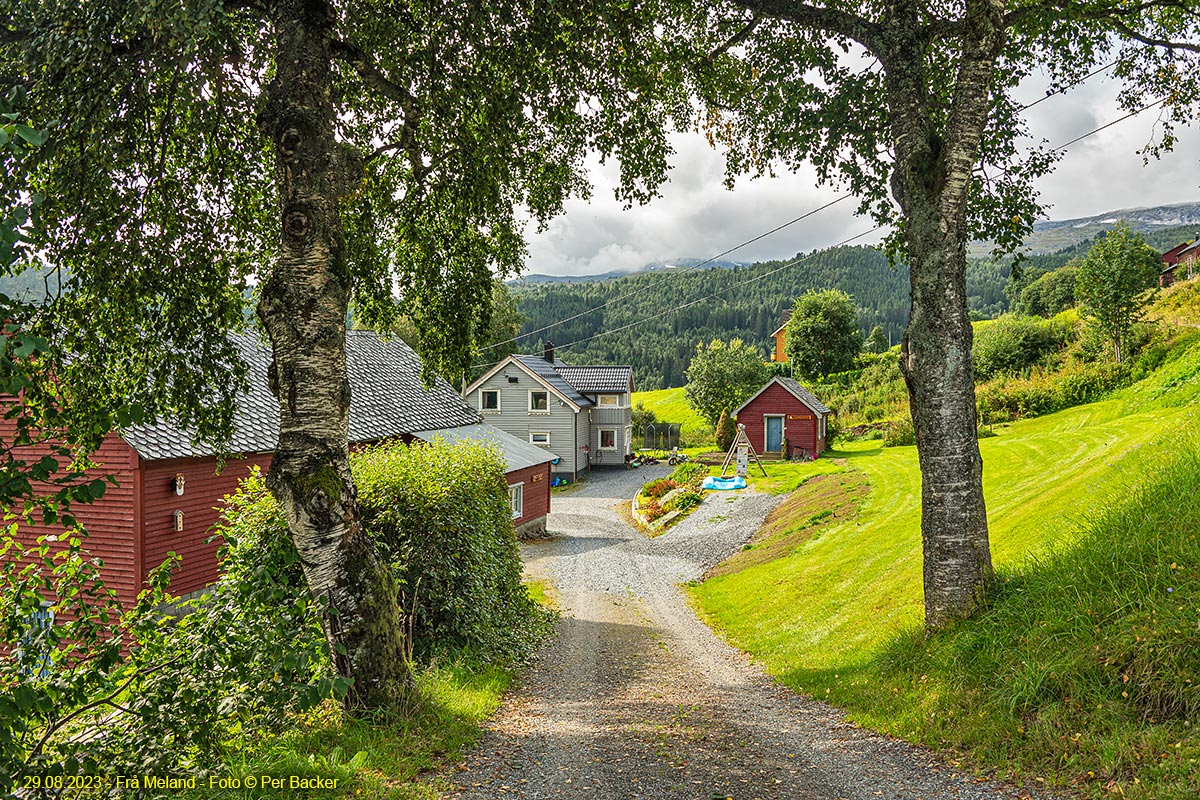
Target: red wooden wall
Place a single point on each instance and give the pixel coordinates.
(776, 400)
(203, 490)
(536, 494)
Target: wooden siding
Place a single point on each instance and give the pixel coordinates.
(780, 353)
(203, 490)
(514, 417)
(536, 492)
(801, 425)
(110, 521)
(618, 418)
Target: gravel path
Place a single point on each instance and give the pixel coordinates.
(636, 698)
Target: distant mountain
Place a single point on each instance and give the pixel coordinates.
(676, 263)
(1050, 236)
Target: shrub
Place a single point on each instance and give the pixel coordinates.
(899, 434)
(689, 474)
(873, 414)
(1010, 344)
(833, 430)
(440, 513)
(726, 431)
(688, 499)
(657, 488)
(1045, 392)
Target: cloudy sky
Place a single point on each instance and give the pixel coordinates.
(697, 217)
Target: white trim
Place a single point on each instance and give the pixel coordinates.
(529, 402)
(539, 433)
(766, 386)
(516, 492)
(775, 332)
(516, 362)
(600, 439)
(499, 406)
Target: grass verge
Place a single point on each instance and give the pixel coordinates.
(1082, 667)
(669, 405)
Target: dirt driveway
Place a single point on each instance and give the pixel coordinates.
(635, 698)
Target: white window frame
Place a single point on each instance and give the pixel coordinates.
(539, 433)
(516, 499)
(533, 410)
(482, 408)
(600, 439)
(608, 400)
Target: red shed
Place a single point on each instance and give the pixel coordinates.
(151, 512)
(782, 412)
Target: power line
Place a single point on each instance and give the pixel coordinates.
(778, 228)
(694, 267)
(802, 259)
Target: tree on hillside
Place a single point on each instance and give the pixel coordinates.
(721, 376)
(822, 334)
(1114, 283)
(328, 148)
(640, 417)
(926, 114)
(1050, 293)
(877, 342)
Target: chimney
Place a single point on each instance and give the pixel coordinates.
(549, 351)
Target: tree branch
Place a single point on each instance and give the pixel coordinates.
(829, 20)
(1130, 33)
(736, 39)
(371, 74)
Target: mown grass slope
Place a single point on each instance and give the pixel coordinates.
(669, 405)
(1034, 684)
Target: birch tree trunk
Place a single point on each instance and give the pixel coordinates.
(303, 307)
(931, 182)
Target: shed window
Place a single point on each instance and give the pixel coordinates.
(539, 401)
(608, 439)
(516, 499)
(489, 400)
(539, 437)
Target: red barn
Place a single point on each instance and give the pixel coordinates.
(169, 490)
(784, 413)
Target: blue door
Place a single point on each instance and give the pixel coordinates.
(774, 434)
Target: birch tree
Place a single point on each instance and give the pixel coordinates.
(909, 104)
(316, 149)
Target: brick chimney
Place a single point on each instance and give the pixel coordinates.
(549, 354)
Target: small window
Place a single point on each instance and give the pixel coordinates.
(539, 401)
(609, 400)
(540, 437)
(516, 499)
(608, 439)
(489, 400)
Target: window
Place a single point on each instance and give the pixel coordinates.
(540, 437)
(612, 400)
(539, 402)
(489, 400)
(516, 499)
(608, 438)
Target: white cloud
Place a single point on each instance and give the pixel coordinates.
(697, 217)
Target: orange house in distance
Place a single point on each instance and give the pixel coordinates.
(780, 336)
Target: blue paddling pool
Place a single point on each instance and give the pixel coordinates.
(723, 483)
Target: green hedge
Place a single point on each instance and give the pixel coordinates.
(441, 514)
(1046, 392)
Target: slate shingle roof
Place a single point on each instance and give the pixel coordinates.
(550, 374)
(517, 453)
(802, 394)
(386, 399)
(797, 391)
(598, 380)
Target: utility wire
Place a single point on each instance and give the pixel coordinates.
(802, 259)
(778, 228)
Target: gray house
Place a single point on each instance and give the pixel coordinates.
(582, 414)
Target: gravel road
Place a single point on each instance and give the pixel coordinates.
(636, 698)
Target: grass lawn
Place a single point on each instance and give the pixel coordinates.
(839, 614)
(669, 405)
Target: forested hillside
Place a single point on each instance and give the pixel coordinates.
(747, 303)
(661, 345)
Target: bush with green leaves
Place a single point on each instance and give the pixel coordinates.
(900, 433)
(247, 653)
(687, 500)
(1011, 344)
(689, 474)
(726, 431)
(1043, 392)
(440, 513)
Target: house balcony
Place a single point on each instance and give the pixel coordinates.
(617, 417)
